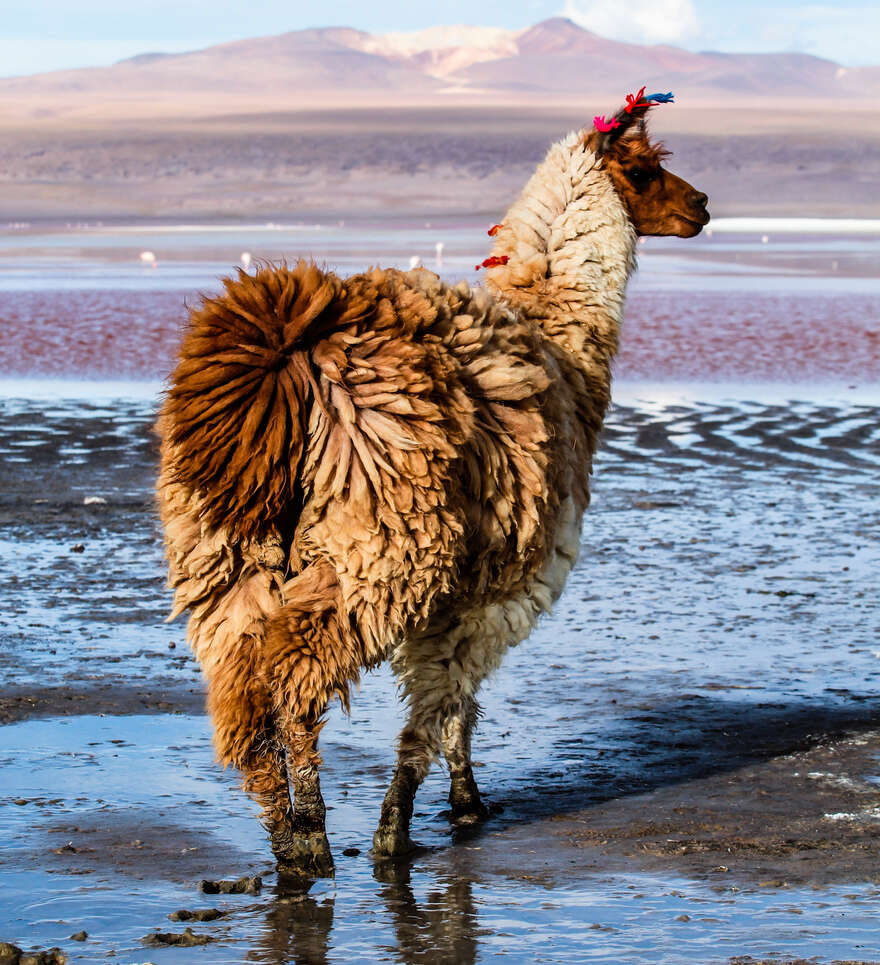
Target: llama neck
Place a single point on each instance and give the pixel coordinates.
(571, 249)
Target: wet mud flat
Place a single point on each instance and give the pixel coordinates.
(682, 760)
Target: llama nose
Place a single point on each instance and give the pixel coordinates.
(701, 199)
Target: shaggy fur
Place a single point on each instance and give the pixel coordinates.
(387, 466)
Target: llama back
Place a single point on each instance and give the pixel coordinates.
(387, 426)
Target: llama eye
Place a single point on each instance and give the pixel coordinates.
(639, 176)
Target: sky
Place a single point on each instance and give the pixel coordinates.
(42, 35)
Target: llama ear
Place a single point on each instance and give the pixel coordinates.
(630, 116)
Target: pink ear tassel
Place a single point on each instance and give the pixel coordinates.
(604, 126)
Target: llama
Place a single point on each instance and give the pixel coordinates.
(390, 467)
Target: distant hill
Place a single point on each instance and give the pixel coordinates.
(558, 55)
(338, 65)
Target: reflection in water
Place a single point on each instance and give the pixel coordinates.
(297, 926)
(441, 929)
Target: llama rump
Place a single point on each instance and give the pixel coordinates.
(390, 467)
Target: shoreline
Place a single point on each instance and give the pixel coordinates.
(648, 391)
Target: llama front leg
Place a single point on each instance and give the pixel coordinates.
(441, 670)
(464, 796)
(439, 675)
(417, 747)
(433, 724)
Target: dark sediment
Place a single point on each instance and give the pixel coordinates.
(241, 886)
(185, 939)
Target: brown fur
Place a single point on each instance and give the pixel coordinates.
(389, 466)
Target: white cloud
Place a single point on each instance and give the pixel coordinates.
(636, 21)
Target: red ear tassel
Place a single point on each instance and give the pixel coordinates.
(493, 262)
(494, 230)
(636, 101)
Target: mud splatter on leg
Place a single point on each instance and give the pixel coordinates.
(464, 796)
(304, 850)
(265, 779)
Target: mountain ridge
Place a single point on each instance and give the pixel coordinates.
(306, 69)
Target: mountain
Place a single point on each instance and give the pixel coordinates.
(306, 69)
(301, 61)
(556, 54)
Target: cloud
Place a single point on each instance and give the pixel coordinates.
(637, 21)
(847, 33)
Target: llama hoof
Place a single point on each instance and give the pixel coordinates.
(465, 805)
(392, 842)
(473, 812)
(307, 856)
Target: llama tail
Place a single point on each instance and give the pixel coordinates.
(236, 415)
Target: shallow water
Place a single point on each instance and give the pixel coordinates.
(728, 571)
(723, 616)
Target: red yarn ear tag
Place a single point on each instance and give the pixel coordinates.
(494, 230)
(632, 102)
(492, 262)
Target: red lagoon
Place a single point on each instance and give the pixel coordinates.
(667, 335)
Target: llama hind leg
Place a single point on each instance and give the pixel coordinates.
(309, 657)
(464, 795)
(245, 734)
(304, 848)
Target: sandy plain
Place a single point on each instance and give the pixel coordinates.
(399, 161)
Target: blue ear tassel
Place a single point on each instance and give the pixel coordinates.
(661, 98)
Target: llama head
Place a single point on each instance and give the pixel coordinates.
(657, 201)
